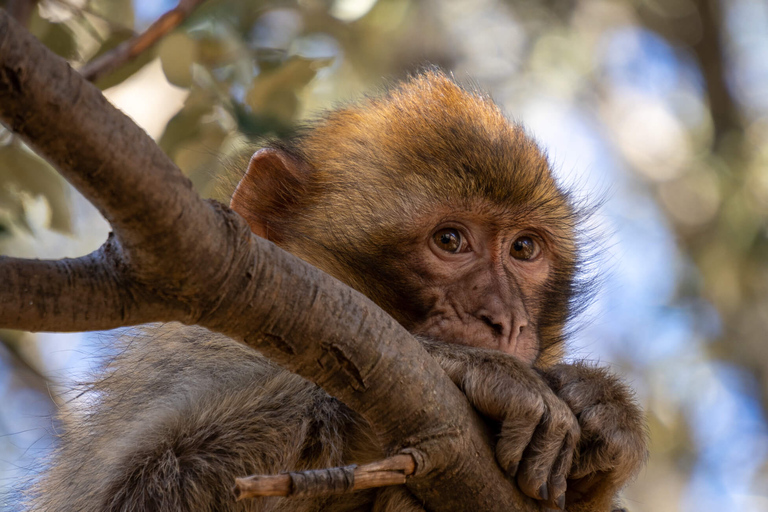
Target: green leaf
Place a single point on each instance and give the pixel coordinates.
(177, 53)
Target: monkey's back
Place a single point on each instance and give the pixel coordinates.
(178, 414)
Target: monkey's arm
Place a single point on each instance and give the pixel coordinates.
(538, 433)
(613, 443)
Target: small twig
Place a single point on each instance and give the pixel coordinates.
(132, 48)
(322, 482)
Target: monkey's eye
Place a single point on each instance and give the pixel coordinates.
(525, 248)
(448, 239)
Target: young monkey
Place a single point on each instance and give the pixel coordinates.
(445, 214)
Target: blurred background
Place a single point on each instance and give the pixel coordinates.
(658, 108)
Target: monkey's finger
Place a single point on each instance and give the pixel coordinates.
(605, 441)
(543, 452)
(515, 435)
(586, 464)
(557, 479)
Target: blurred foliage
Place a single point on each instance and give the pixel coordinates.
(670, 94)
(32, 194)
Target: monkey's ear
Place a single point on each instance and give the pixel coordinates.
(270, 191)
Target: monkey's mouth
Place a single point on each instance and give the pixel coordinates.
(479, 336)
(453, 336)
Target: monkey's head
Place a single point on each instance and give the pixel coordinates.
(430, 202)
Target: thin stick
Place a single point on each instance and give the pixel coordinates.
(391, 471)
(129, 50)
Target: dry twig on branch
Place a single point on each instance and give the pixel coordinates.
(320, 482)
(129, 50)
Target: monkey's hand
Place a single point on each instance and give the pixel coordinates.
(613, 442)
(538, 432)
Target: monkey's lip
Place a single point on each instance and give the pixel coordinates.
(475, 337)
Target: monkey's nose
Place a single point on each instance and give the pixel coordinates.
(506, 330)
(499, 326)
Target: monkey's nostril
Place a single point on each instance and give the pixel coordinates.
(497, 328)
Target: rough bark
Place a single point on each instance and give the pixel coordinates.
(173, 256)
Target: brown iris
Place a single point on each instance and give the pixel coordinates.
(448, 239)
(524, 248)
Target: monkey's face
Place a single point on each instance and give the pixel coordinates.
(480, 283)
(478, 274)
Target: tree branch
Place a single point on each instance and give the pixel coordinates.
(711, 56)
(80, 294)
(129, 50)
(174, 256)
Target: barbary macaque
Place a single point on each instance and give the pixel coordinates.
(430, 202)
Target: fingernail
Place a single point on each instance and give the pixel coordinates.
(543, 492)
(561, 502)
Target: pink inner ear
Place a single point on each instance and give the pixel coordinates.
(269, 191)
